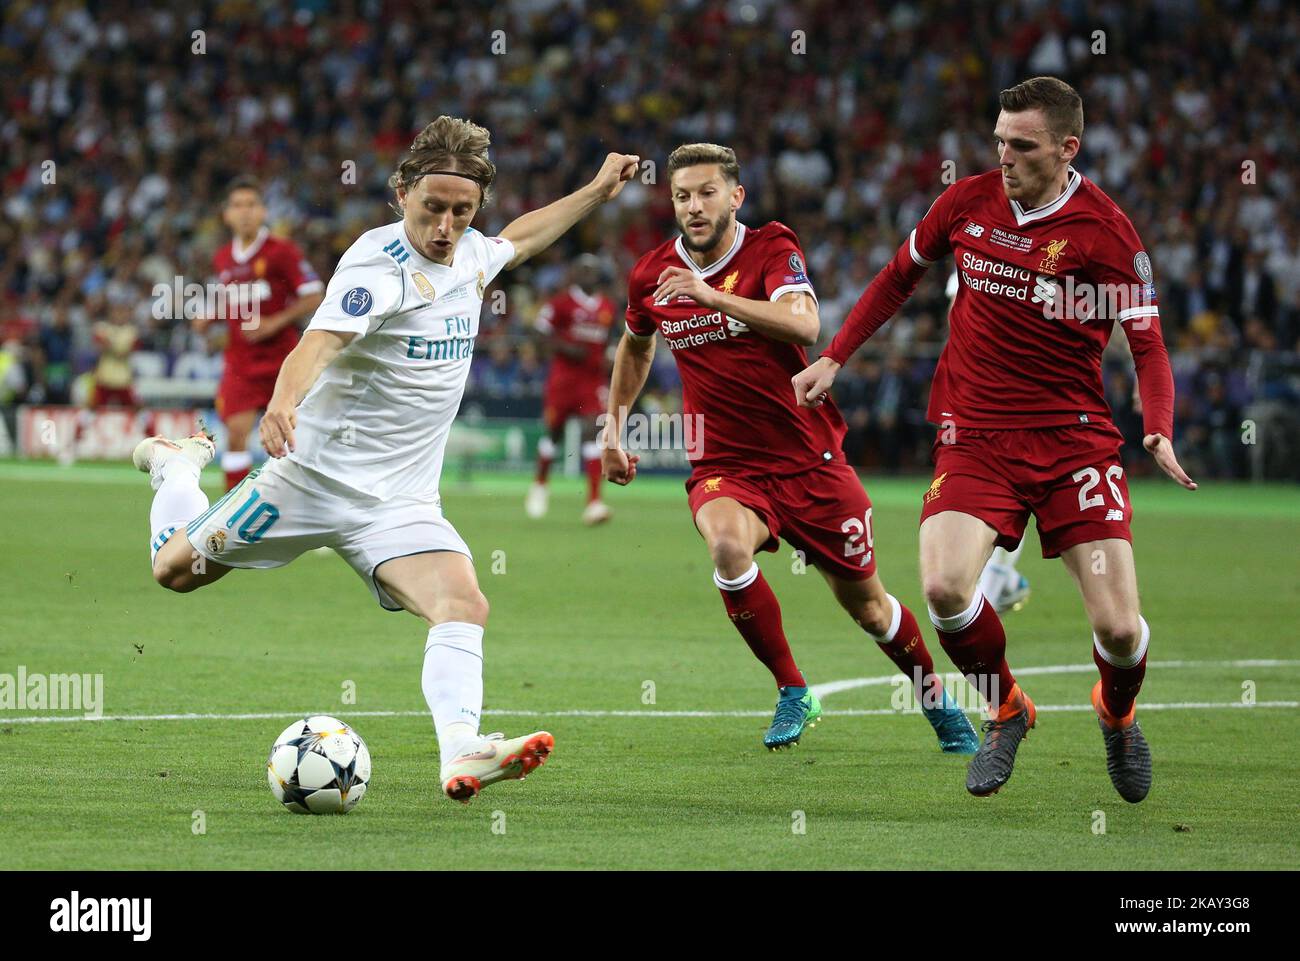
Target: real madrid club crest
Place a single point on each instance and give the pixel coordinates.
(216, 542)
(423, 286)
(481, 285)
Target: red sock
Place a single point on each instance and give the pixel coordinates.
(906, 648)
(543, 468)
(233, 477)
(978, 649)
(757, 615)
(1120, 685)
(593, 480)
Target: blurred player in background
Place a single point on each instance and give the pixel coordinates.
(269, 277)
(116, 338)
(1024, 427)
(357, 429)
(577, 323)
(735, 306)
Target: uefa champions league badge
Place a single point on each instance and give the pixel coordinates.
(357, 301)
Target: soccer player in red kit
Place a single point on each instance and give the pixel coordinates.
(272, 287)
(735, 306)
(576, 323)
(1048, 263)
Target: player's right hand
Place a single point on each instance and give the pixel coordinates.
(616, 171)
(618, 466)
(812, 384)
(277, 431)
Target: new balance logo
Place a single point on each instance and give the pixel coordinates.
(1114, 515)
(974, 229)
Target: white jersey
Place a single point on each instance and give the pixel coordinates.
(377, 420)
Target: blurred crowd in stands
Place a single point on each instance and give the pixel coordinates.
(122, 122)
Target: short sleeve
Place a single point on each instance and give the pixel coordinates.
(929, 241)
(361, 293)
(1120, 262)
(302, 279)
(639, 322)
(497, 253)
(785, 271)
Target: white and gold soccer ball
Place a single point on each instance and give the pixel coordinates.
(319, 765)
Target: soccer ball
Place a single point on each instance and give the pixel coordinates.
(319, 765)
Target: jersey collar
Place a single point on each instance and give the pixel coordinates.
(585, 300)
(1024, 216)
(243, 256)
(717, 265)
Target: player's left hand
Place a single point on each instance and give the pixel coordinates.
(1162, 449)
(617, 170)
(676, 282)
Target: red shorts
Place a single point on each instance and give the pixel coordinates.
(241, 392)
(1069, 478)
(113, 397)
(567, 397)
(823, 512)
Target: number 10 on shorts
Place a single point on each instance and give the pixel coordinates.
(257, 518)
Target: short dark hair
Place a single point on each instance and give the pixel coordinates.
(692, 154)
(1061, 104)
(244, 182)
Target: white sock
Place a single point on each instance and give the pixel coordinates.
(957, 621)
(178, 501)
(993, 578)
(453, 683)
(895, 619)
(737, 583)
(1133, 658)
(233, 460)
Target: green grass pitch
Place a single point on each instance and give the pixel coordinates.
(581, 621)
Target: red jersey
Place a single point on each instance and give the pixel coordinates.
(738, 381)
(578, 318)
(270, 273)
(1038, 296)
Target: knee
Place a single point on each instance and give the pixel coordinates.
(731, 555)
(1119, 634)
(177, 579)
(470, 607)
(945, 594)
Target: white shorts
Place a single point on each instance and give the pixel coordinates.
(283, 509)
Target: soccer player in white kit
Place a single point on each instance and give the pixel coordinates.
(357, 427)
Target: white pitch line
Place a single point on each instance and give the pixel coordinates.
(821, 690)
(834, 687)
(847, 712)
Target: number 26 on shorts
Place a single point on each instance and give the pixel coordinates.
(1091, 478)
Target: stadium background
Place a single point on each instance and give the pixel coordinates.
(846, 142)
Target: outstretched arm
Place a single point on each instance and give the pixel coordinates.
(538, 229)
(880, 301)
